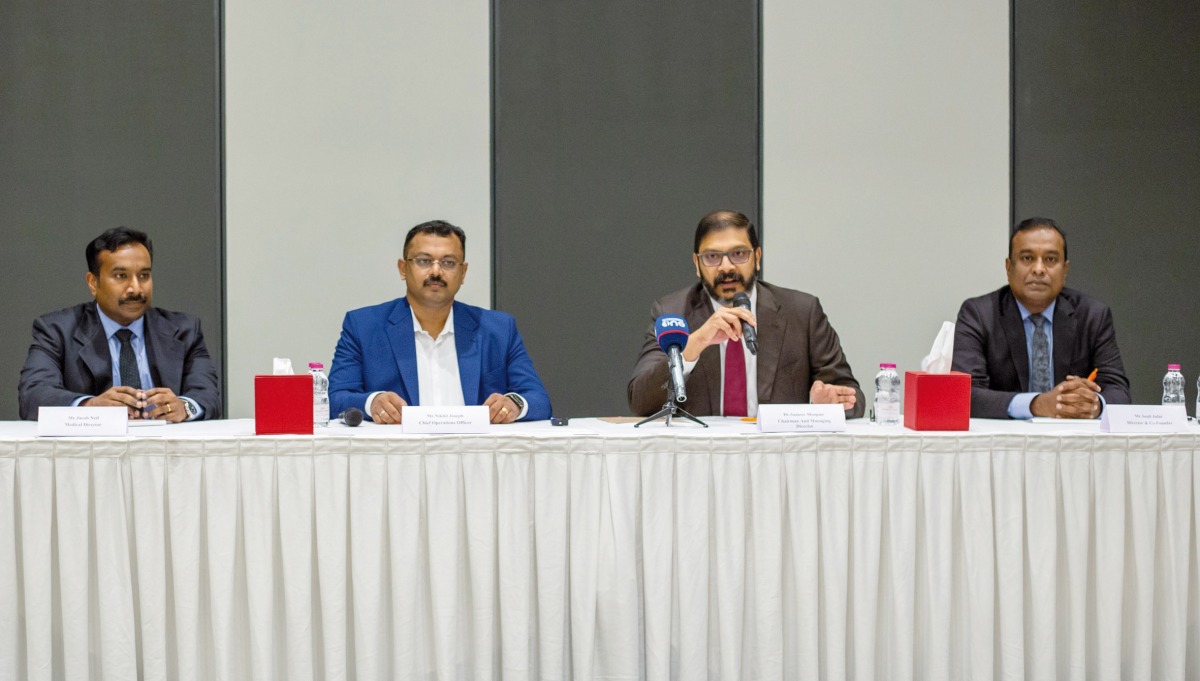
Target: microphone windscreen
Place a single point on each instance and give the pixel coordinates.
(352, 416)
(671, 329)
(740, 299)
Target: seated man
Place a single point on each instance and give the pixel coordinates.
(799, 357)
(118, 350)
(1031, 346)
(426, 349)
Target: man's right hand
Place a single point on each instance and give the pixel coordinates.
(120, 396)
(725, 324)
(385, 408)
(1074, 398)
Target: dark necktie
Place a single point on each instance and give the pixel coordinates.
(128, 361)
(735, 379)
(1040, 380)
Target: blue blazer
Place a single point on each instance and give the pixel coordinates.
(377, 352)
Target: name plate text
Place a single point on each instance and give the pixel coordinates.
(445, 420)
(801, 418)
(82, 421)
(1144, 418)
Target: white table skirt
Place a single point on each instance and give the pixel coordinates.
(600, 552)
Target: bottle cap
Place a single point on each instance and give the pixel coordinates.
(315, 365)
(1172, 367)
(887, 366)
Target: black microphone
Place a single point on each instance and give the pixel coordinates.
(749, 335)
(351, 417)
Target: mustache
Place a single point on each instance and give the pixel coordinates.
(433, 279)
(133, 299)
(730, 277)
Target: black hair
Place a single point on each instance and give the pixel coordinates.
(1036, 223)
(113, 239)
(724, 219)
(439, 228)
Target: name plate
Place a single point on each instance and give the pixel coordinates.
(82, 421)
(1144, 418)
(446, 420)
(801, 418)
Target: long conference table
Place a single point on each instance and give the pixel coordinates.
(597, 551)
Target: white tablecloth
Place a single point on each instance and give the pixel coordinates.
(599, 552)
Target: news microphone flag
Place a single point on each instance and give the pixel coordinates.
(671, 329)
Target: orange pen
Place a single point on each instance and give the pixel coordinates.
(1092, 376)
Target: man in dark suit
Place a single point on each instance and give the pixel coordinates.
(427, 349)
(799, 357)
(118, 350)
(1031, 346)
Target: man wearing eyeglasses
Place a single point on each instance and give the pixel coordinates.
(427, 349)
(799, 357)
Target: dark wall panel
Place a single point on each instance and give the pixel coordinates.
(617, 126)
(1107, 142)
(109, 115)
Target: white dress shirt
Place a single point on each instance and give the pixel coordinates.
(751, 362)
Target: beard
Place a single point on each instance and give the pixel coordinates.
(711, 286)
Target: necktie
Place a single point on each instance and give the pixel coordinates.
(128, 361)
(1040, 380)
(735, 379)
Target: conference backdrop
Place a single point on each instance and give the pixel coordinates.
(883, 151)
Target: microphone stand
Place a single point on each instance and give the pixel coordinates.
(670, 410)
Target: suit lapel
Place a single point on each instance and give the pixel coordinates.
(164, 352)
(93, 350)
(404, 350)
(466, 327)
(770, 342)
(1064, 338)
(698, 311)
(1014, 331)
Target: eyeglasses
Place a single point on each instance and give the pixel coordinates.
(738, 256)
(425, 263)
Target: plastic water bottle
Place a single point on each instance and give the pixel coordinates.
(320, 394)
(887, 396)
(1173, 387)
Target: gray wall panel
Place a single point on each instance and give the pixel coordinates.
(1107, 128)
(618, 125)
(109, 116)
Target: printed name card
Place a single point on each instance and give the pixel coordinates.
(82, 421)
(1144, 418)
(445, 420)
(801, 418)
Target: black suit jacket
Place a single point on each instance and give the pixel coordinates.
(69, 357)
(989, 344)
(796, 346)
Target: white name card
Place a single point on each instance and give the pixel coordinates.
(1144, 418)
(82, 421)
(801, 418)
(447, 420)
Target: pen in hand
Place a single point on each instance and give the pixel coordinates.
(1092, 376)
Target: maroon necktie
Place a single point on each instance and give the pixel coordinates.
(735, 379)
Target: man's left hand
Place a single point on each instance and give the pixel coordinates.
(501, 408)
(826, 393)
(163, 403)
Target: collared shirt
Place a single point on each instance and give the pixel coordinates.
(1019, 406)
(138, 342)
(438, 381)
(751, 362)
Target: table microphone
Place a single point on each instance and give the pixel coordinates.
(351, 417)
(671, 330)
(749, 335)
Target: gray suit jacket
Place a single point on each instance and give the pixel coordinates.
(796, 346)
(989, 344)
(69, 357)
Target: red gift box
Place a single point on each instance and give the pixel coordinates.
(283, 405)
(937, 401)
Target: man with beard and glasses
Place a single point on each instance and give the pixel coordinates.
(1032, 346)
(799, 356)
(427, 349)
(120, 351)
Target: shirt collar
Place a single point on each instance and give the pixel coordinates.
(1048, 313)
(447, 330)
(137, 326)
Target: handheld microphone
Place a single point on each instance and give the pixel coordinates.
(671, 330)
(749, 334)
(351, 417)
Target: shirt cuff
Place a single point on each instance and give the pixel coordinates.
(194, 403)
(81, 399)
(367, 405)
(1019, 407)
(524, 406)
(688, 366)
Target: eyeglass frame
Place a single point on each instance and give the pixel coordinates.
(725, 254)
(440, 261)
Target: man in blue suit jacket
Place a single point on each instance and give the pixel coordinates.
(427, 349)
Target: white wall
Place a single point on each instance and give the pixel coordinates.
(886, 164)
(346, 124)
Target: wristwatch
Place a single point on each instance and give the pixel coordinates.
(517, 400)
(192, 410)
